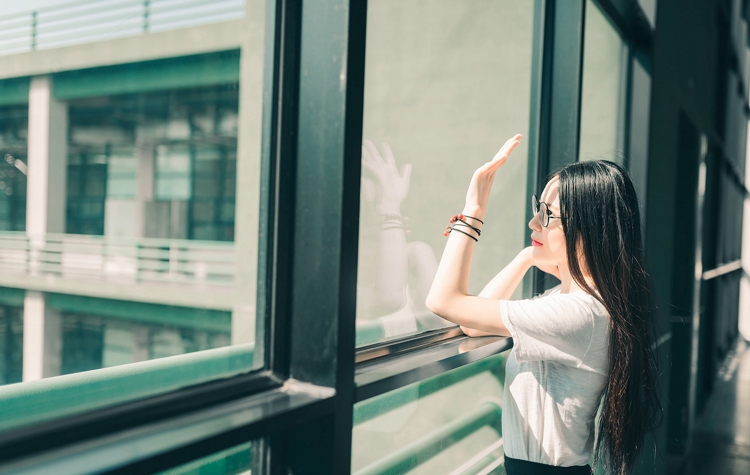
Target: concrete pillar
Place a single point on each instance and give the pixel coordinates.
(243, 324)
(247, 202)
(42, 338)
(47, 168)
(145, 176)
(744, 317)
(141, 343)
(46, 182)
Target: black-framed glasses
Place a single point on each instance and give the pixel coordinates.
(542, 210)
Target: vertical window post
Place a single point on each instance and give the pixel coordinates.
(314, 154)
(561, 93)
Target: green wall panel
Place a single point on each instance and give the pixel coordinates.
(14, 91)
(154, 314)
(171, 73)
(10, 296)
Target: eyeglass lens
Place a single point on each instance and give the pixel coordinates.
(541, 210)
(543, 214)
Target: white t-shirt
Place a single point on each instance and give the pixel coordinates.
(554, 376)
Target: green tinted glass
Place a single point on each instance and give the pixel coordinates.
(129, 203)
(450, 423)
(603, 97)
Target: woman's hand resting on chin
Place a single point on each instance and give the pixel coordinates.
(548, 267)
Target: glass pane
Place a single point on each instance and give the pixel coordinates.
(234, 461)
(129, 203)
(446, 83)
(640, 108)
(450, 423)
(604, 86)
(14, 123)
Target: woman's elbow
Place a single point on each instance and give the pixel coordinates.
(434, 304)
(468, 331)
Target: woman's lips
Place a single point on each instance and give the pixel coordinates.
(536, 243)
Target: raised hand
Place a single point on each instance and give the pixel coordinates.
(394, 186)
(481, 182)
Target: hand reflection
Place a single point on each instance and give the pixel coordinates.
(393, 186)
(405, 269)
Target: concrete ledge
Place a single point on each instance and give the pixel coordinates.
(210, 297)
(166, 44)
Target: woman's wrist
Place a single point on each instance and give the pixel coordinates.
(389, 208)
(527, 256)
(474, 212)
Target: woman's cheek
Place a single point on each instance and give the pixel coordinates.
(556, 241)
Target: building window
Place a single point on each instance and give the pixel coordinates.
(14, 123)
(154, 164)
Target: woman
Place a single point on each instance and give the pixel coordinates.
(585, 342)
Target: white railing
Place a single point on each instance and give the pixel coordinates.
(121, 260)
(84, 21)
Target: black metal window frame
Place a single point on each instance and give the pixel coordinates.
(299, 406)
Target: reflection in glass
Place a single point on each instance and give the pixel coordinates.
(14, 122)
(444, 87)
(450, 423)
(154, 164)
(603, 97)
(11, 343)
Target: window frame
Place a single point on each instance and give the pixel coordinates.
(310, 174)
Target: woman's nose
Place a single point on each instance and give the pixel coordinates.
(534, 223)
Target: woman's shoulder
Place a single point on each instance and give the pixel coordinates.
(579, 298)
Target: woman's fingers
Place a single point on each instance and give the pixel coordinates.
(406, 173)
(389, 158)
(371, 167)
(366, 157)
(373, 151)
(508, 147)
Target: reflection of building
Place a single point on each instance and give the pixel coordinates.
(118, 195)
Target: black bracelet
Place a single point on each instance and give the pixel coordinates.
(476, 230)
(463, 232)
(472, 217)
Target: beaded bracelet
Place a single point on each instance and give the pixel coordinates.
(458, 220)
(462, 232)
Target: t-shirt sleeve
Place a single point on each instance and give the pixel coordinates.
(557, 327)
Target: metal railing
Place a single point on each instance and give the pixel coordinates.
(98, 258)
(85, 21)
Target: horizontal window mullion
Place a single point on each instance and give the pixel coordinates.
(183, 438)
(406, 344)
(55, 434)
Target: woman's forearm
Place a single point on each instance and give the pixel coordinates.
(452, 278)
(393, 262)
(502, 286)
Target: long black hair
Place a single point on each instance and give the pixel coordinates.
(602, 225)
